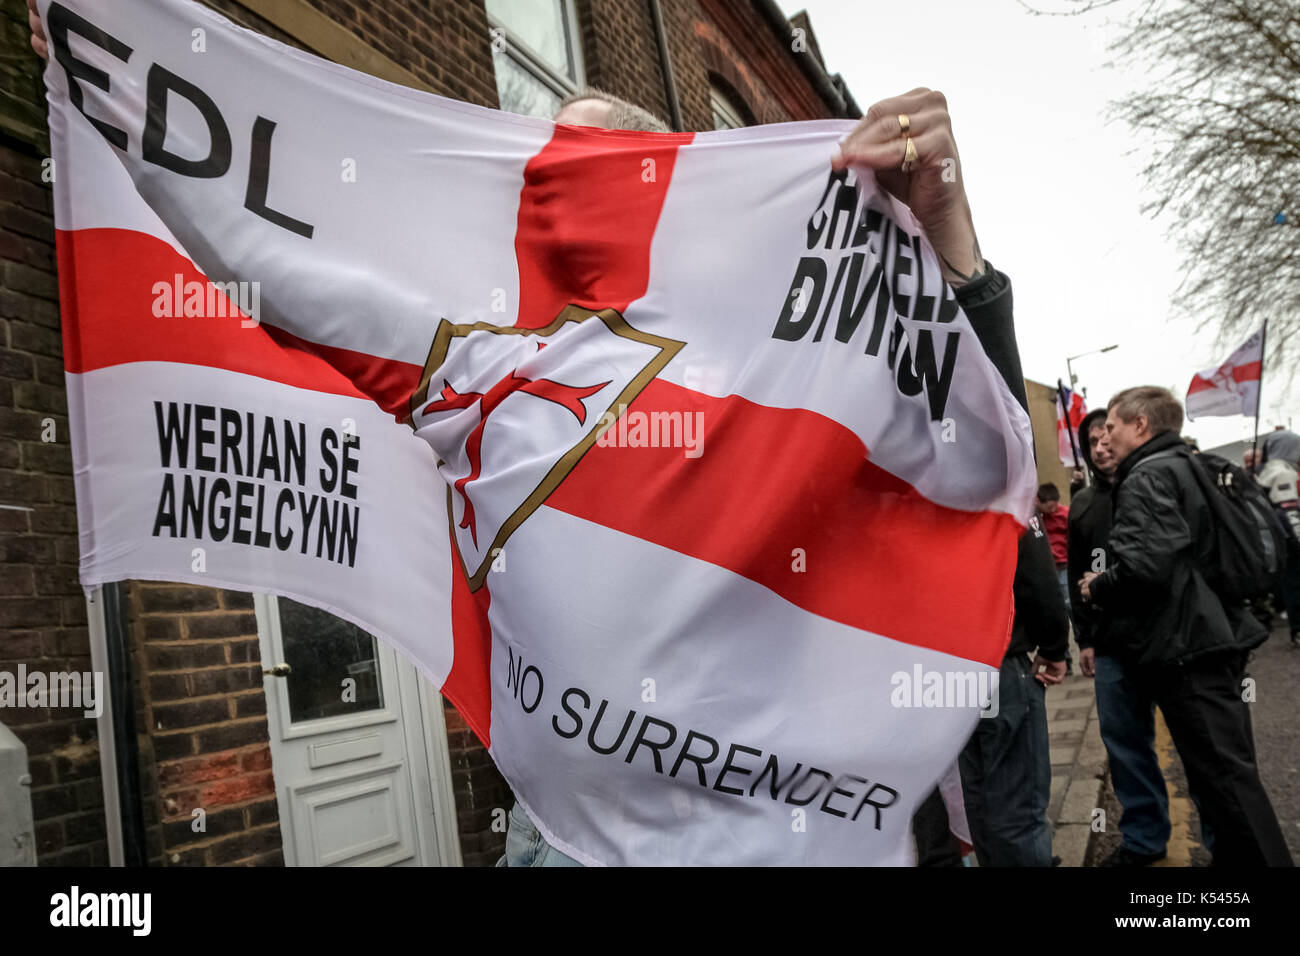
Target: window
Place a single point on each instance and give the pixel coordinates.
(324, 651)
(725, 114)
(535, 54)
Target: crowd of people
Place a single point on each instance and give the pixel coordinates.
(1138, 554)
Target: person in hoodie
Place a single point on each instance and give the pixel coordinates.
(1126, 715)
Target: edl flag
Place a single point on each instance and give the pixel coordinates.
(1233, 387)
(659, 454)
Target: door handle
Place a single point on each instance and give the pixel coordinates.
(279, 670)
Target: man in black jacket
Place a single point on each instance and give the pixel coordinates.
(1182, 646)
(1006, 767)
(1127, 716)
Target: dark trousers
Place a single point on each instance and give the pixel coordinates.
(1290, 589)
(935, 844)
(1128, 729)
(1210, 724)
(1006, 774)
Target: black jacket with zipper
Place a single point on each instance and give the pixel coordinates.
(1159, 606)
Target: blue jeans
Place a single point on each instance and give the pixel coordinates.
(1063, 579)
(1128, 730)
(525, 846)
(1006, 774)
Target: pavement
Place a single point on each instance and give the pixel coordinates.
(1078, 766)
(1275, 668)
(1082, 805)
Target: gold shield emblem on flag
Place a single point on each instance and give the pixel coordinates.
(481, 382)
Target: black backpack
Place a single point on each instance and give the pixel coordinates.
(1250, 543)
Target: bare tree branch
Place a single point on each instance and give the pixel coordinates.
(1219, 128)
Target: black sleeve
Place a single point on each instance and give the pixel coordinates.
(1077, 563)
(987, 304)
(1148, 537)
(1039, 606)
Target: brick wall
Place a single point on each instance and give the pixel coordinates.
(619, 51)
(758, 65)
(207, 745)
(200, 705)
(481, 794)
(444, 43)
(711, 42)
(42, 613)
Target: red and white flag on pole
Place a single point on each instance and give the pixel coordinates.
(1070, 412)
(1233, 387)
(654, 452)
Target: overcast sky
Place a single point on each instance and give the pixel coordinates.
(1055, 196)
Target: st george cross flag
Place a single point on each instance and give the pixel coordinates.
(668, 458)
(1233, 387)
(1070, 413)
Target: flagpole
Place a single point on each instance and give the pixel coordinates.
(1259, 392)
(1065, 415)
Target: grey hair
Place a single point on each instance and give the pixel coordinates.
(622, 114)
(1163, 412)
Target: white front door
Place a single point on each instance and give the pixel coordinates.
(358, 745)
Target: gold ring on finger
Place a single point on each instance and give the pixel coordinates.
(904, 123)
(909, 156)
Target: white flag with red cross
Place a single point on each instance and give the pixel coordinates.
(1070, 413)
(1231, 388)
(668, 458)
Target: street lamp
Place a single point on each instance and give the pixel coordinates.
(1073, 378)
(1073, 381)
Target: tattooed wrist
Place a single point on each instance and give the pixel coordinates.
(956, 277)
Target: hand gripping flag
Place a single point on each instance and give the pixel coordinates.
(668, 458)
(1233, 387)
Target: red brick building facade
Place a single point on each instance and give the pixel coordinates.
(192, 733)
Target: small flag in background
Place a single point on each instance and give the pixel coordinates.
(1233, 387)
(1070, 411)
